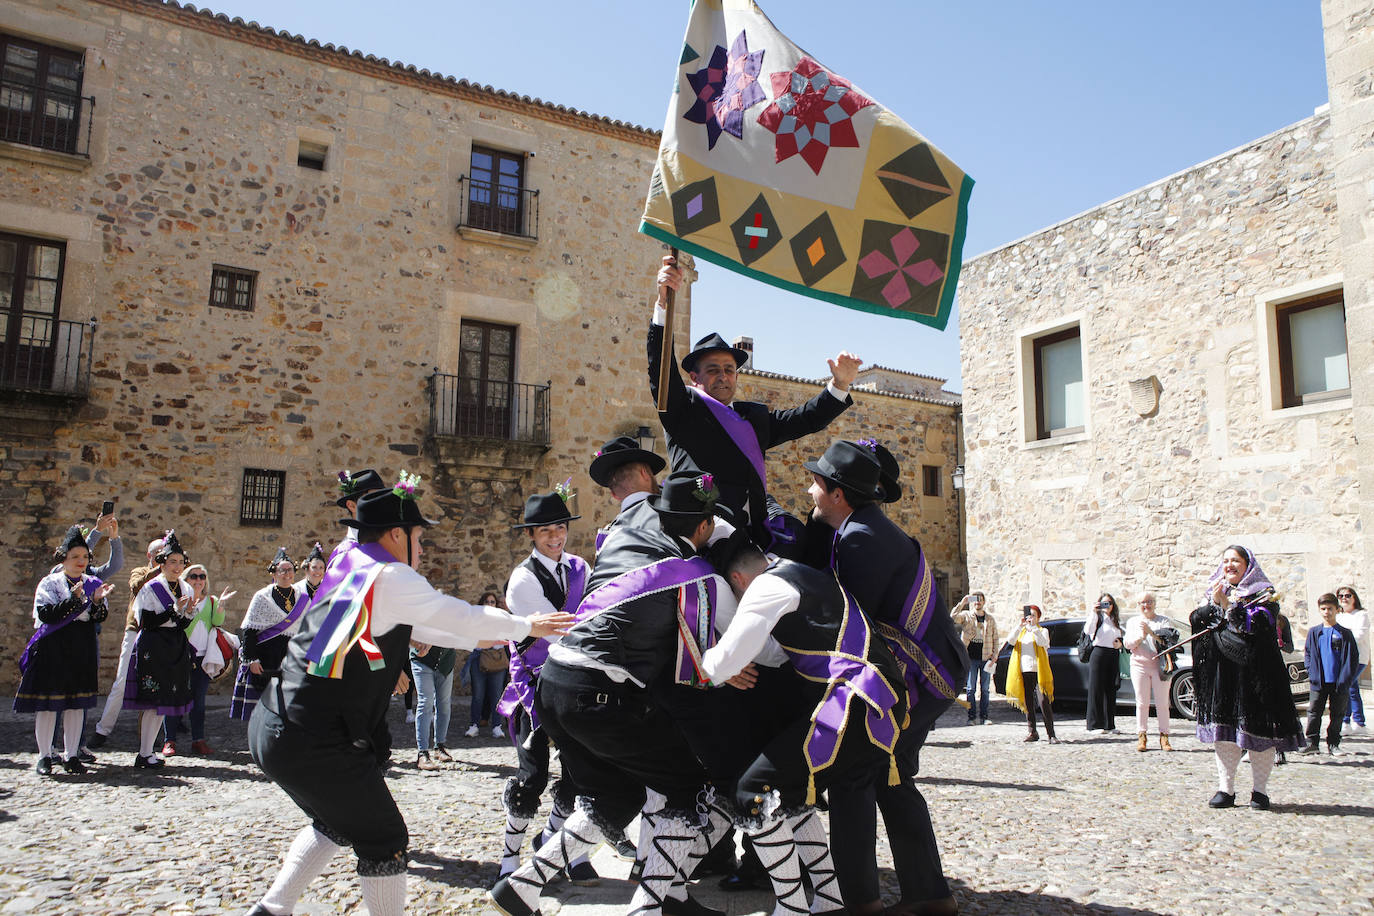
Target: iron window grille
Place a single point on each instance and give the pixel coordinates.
(264, 493)
(40, 97)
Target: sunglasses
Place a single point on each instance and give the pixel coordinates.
(1344, 595)
(196, 576)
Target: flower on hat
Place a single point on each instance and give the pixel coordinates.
(596, 454)
(706, 490)
(406, 485)
(565, 490)
(346, 481)
(870, 444)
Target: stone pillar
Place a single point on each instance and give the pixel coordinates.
(1349, 35)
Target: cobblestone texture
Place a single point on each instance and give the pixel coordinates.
(1087, 826)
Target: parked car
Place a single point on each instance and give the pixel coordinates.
(1071, 675)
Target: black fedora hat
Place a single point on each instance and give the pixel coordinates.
(546, 509)
(686, 494)
(850, 465)
(384, 509)
(622, 450)
(710, 342)
(890, 473)
(353, 484)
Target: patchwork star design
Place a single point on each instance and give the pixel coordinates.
(725, 88)
(811, 113)
(900, 266)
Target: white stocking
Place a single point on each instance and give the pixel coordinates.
(1228, 758)
(578, 835)
(515, 838)
(1261, 764)
(149, 723)
(668, 851)
(777, 850)
(71, 732)
(310, 852)
(44, 723)
(386, 895)
(813, 848)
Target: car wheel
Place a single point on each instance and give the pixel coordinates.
(1181, 694)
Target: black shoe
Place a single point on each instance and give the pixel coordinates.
(1310, 749)
(1222, 800)
(97, 741)
(508, 901)
(689, 907)
(85, 756)
(43, 767)
(260, 910)
(74, 766)
(151, 762)
(720, 860)
(625, 849)
(1259, 801)
(582, 874)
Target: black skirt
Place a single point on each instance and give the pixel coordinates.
(62, 672)
(160, 672)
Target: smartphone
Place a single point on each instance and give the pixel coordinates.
(107, 507)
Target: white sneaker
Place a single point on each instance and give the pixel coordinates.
(472, 731)
(987, 721)
(1357, 729)
(1345, 729)
(497, 731)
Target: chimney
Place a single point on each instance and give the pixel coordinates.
(747, 345)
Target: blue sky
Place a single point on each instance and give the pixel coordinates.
(1052, 107)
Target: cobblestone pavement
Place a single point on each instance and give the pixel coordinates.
(1086, 826)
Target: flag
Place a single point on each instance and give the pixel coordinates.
(779, 168)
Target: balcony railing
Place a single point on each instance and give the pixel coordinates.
(498, 208)
(461, 407)
(46, 118)
(48, 357)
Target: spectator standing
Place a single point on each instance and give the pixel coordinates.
(271, 620)
(1103, 627)
(1354, 618)
(115, 701)
(980, 635)
(1148, 676)
(1331, 665)
(59, 664)
(207, 613)
(487, 670)
(1030, 682)
(159, 681)
(431, 669)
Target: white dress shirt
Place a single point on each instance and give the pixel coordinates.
(403, 596)
(747, 628)
(525, 595)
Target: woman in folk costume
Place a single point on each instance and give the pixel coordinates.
(268, 625)
(1029, 675)
(59, 664)
(314, 571)
(1243, 703)
(203, 632)
(159, 681)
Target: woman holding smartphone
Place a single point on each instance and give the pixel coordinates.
(58, 667)
(1103, 627)
(1029, 679)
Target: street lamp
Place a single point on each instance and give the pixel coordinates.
(645, 437)
(958, 477)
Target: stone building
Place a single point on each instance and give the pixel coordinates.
(234, 261)
(1168, 373)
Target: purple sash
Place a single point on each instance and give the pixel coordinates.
(740, 431)
(164, 598)
(525, 666)
(88, 586)
(850, 676)
(162, 594)
(601, 538)
(696, 631)
(281, 626)
(346, 588)
(659, 576)
(921, 669)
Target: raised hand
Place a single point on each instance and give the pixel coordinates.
(843, 369)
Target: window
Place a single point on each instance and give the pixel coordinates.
(486, 379)
(496, 192)
(30, 296)
(263, 495)
(930, 480)
(1313, 364)
(233, 288)
(40, 95)
(312, 155)
(1060, 407)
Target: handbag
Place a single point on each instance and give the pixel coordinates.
(1085, 647)
(494, 659)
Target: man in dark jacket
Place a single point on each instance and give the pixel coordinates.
(1331, 659)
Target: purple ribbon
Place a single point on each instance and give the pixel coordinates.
(670, 573)
(162, 594)
(525, 666)
(88, 588)
(601, 538)
(849, 675)
(698, 633)
(345, 575)
(276, 629)
(740, 431)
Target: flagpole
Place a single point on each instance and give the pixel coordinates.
(665, 358)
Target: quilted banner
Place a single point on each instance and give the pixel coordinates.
(779, 168)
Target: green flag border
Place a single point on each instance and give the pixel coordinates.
(938, 321)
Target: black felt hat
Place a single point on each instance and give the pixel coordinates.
(281, 555)
(850, 465)
(74, 537)
(620, 451)
(686, 494)
(385, 509)
(546, 509)
(170, 545)
(890, 473)
(353, 484)
(709, 343)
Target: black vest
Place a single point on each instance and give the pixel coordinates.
(815, 626)
(548, 582)
(639, 636)
(349, 709)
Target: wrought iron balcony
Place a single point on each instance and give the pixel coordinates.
(45, 118)
(473, 408)
(498, 208)
(47, 357)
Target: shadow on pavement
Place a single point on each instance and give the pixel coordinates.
(985, 784)
(1018, 903)
(1327, 810)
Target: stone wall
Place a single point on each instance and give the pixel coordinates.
(1169, 282)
